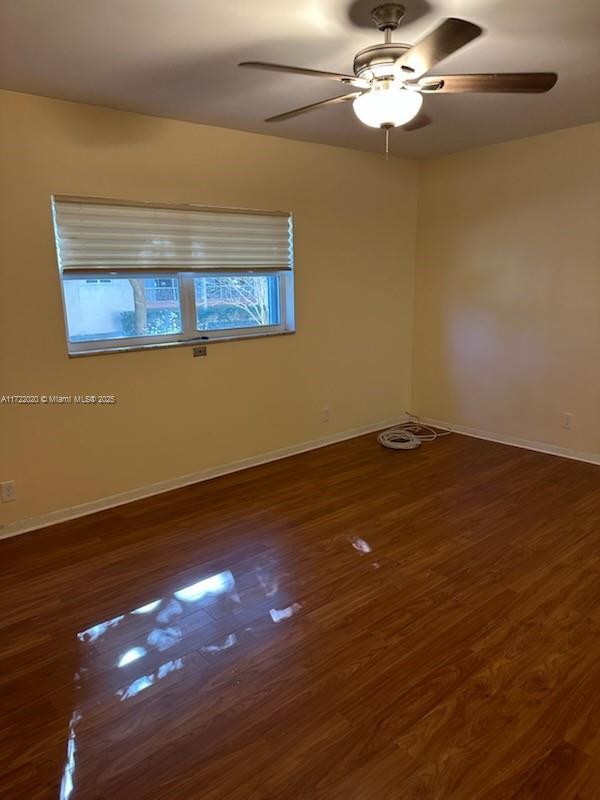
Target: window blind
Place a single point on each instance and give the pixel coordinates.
(94, 234)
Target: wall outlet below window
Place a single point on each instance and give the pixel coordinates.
(566, 420)
(8, 491)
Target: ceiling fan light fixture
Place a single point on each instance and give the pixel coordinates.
(387, 105)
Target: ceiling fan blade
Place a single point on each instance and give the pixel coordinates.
(446, 39)
(332, 101)
(529, 82)
(315, 73)
(420, 121)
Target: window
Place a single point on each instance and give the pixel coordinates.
(241, 301)
(121, 308)
(137, 276)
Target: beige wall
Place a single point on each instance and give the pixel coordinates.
(506, 328)
(507, 332)
(177, 415)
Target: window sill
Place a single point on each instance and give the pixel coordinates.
(185, 343)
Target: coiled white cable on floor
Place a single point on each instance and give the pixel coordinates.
(398, 439)
(409, 435)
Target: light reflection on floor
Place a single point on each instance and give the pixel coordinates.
(279, 614)
(139, 684)
(229, 641)
(147, 608)
(96, 631)
(360, 545)
(131, 655)
(156, 627)
(216, 584)
(67, 782)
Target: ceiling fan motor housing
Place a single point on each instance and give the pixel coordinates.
(379, 56)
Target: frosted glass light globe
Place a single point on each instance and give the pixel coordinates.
(387, 104)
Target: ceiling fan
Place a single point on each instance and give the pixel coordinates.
(391, 77)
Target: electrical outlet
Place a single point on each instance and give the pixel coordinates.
(200, 350)
(8, 491)
(325, 414)
(566, 420)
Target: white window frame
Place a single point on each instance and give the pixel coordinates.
(185, 277)
(187, 298)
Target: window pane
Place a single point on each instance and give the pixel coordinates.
(246, 301)
(114, 308)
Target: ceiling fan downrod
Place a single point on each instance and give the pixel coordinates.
(387, 18)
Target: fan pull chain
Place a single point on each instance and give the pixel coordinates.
(387, 143)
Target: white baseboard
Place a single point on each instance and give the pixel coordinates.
(516, 441)
(64, 514)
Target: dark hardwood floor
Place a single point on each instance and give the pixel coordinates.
(351, 624)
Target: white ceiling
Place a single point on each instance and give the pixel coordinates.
(177, 58)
